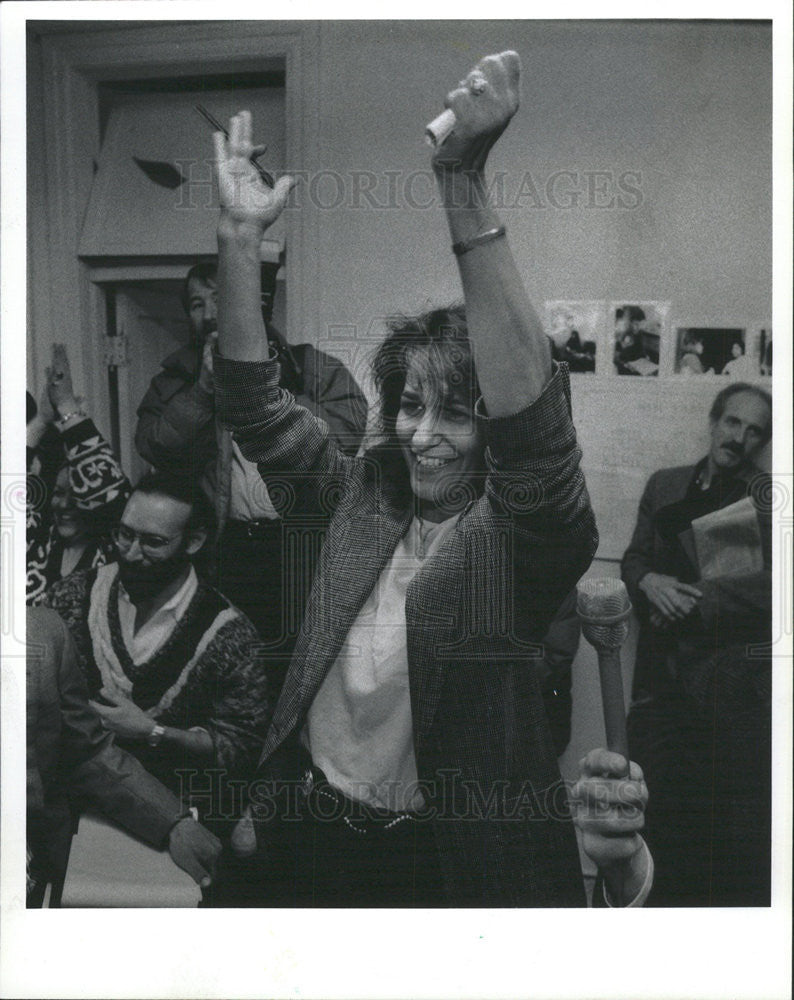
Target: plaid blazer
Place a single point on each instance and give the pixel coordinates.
(475, 613)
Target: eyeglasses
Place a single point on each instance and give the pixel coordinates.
(150, 544)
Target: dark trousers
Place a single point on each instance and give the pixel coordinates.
(329, 851)
(252, 570)
(708, 820)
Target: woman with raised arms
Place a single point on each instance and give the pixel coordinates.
(409, 762)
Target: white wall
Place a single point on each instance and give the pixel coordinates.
(688, 106)
(685, 106)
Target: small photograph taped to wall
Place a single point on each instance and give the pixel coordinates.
(572, 328)
(638, 328)
(707, 350)
(765, 351)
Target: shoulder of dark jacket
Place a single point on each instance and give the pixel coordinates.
(185, 361)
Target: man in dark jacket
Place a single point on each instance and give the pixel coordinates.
(178, 431)
(702, 685)
(69, 753)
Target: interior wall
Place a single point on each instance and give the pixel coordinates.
(686, 107)
(638, 168)
(683, 110)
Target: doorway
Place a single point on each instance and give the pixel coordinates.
(147, 320)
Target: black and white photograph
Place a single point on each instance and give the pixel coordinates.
(574, 329)
(354, 621)
(715, 351)
(637, 339)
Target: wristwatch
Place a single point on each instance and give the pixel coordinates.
(154, 737)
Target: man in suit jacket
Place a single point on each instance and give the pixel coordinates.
(702, 678)
(70, 754)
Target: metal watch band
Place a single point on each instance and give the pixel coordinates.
(156, 735)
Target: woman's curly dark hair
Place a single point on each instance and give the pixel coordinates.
(443, 333)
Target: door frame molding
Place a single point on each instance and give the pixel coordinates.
(65, 303)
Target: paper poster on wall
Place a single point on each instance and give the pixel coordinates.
(637, 338)
(573, 328)
(707, 350)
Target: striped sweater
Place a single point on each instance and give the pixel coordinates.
(207, 673)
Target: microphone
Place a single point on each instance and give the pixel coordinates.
(603, 607)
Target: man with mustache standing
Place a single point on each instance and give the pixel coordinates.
(701, 586)
(174, 669)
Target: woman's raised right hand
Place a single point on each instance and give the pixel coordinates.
(248, 205)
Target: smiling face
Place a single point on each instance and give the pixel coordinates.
(438, 434)
(740, 432)
(67, 519)
(154, 545)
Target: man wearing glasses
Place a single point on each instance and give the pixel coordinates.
(172, 667)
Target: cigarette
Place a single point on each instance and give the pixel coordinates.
(215, 124)
(438, 130)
